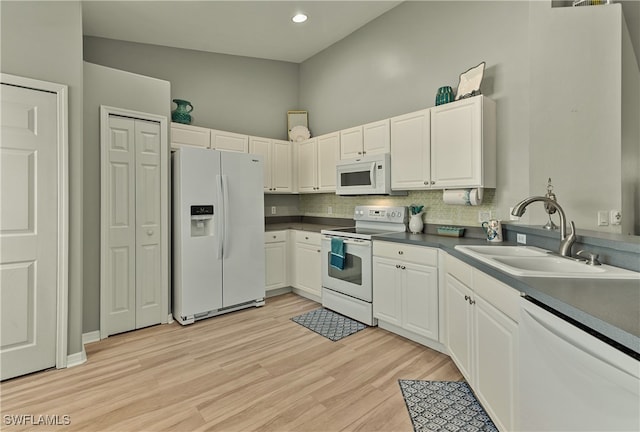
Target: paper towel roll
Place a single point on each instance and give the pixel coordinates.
(470, 197)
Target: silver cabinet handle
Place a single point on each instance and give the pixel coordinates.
(400, 253)
(403, 267)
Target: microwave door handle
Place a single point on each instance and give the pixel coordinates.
(372, 174)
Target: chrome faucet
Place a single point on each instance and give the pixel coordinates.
(566, 241)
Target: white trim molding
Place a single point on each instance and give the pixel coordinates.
(90, 337)
(62, 92)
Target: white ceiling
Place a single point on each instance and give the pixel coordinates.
(261, 29)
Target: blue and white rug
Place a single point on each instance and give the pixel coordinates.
(329, 324)
(444, 406)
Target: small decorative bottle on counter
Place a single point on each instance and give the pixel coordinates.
(415, 222)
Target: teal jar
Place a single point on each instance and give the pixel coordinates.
(181, 113)
(444, 95)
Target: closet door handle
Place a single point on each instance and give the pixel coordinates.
(150, 232)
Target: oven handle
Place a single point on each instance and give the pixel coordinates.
(352, 242)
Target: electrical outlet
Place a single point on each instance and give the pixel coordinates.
(521, 238)
(603, 218)
(484, 215)
(329, 210)
(615, 217)
(273, 210)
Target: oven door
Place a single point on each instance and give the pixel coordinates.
(355, 279)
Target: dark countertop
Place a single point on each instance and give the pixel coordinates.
(608, 307)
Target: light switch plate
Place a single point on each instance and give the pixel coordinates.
(603, 218)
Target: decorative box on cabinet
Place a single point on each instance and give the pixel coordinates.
(482, 337)
(405, 290)
(187, 135)
(463, 144)
(277, 163)
(369, 139)
(317, 159)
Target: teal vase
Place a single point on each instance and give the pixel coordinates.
(181, 113)
(444, 95)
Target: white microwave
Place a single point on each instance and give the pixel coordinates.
(368, 175)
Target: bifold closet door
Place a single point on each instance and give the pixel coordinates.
(132, 289)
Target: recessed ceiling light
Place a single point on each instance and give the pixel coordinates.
(299, 18)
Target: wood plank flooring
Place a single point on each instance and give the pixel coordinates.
(252, 370)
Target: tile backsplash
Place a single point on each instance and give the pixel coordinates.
(437, 212)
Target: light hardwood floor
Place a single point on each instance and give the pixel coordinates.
(252, 370)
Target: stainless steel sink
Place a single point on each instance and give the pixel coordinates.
(535, 262)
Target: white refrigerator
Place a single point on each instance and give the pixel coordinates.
(218, 233)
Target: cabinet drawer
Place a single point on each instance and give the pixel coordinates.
(399, 251)
(275, 236)
(458, 269)
(308, 237)
(503, 297)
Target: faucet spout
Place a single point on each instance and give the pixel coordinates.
(566, 241)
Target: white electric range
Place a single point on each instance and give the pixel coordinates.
(350, 291)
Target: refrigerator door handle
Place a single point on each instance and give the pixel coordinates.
(219, 218)
(225, 191)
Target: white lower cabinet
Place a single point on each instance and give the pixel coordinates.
(307, 278)
(482, 338)
(405, 289)
(276, 260)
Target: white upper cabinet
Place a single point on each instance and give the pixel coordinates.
(410, 151)
(463, 144)
(230, 141)
(278, 166)
(351, 143)
(187, 135)
(372, 138)
(317, 159)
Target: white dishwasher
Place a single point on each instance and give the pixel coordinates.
(571, 381)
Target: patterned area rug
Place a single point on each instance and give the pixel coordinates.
(444, 406)
(329, 324)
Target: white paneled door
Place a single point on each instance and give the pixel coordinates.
(28, 230)
(131, 294)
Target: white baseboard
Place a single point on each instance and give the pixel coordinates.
(93, 336)
(77, 359)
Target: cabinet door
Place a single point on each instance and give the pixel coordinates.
(351, 143)
(410, 151)
(262, 146)
(459, 323)
(221, 140)
(307, 165)
(387, 291)
(420, 299)
(456, 144)
(495, 362)
(308, 268)
(281, 166)
(275, 265)
(186, 135)
(328, 155)
(376, 137)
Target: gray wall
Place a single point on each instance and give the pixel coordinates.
(396, 63)
(115, 88)
(232, 93)
(43, 40)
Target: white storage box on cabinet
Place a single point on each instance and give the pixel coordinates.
(317, 159)
(229, 141)
(307, 261)
(482, 337)
(463, 144)
(405, 290)
(369, 139)
(187, 135)
(276, 260)
(278, 168)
